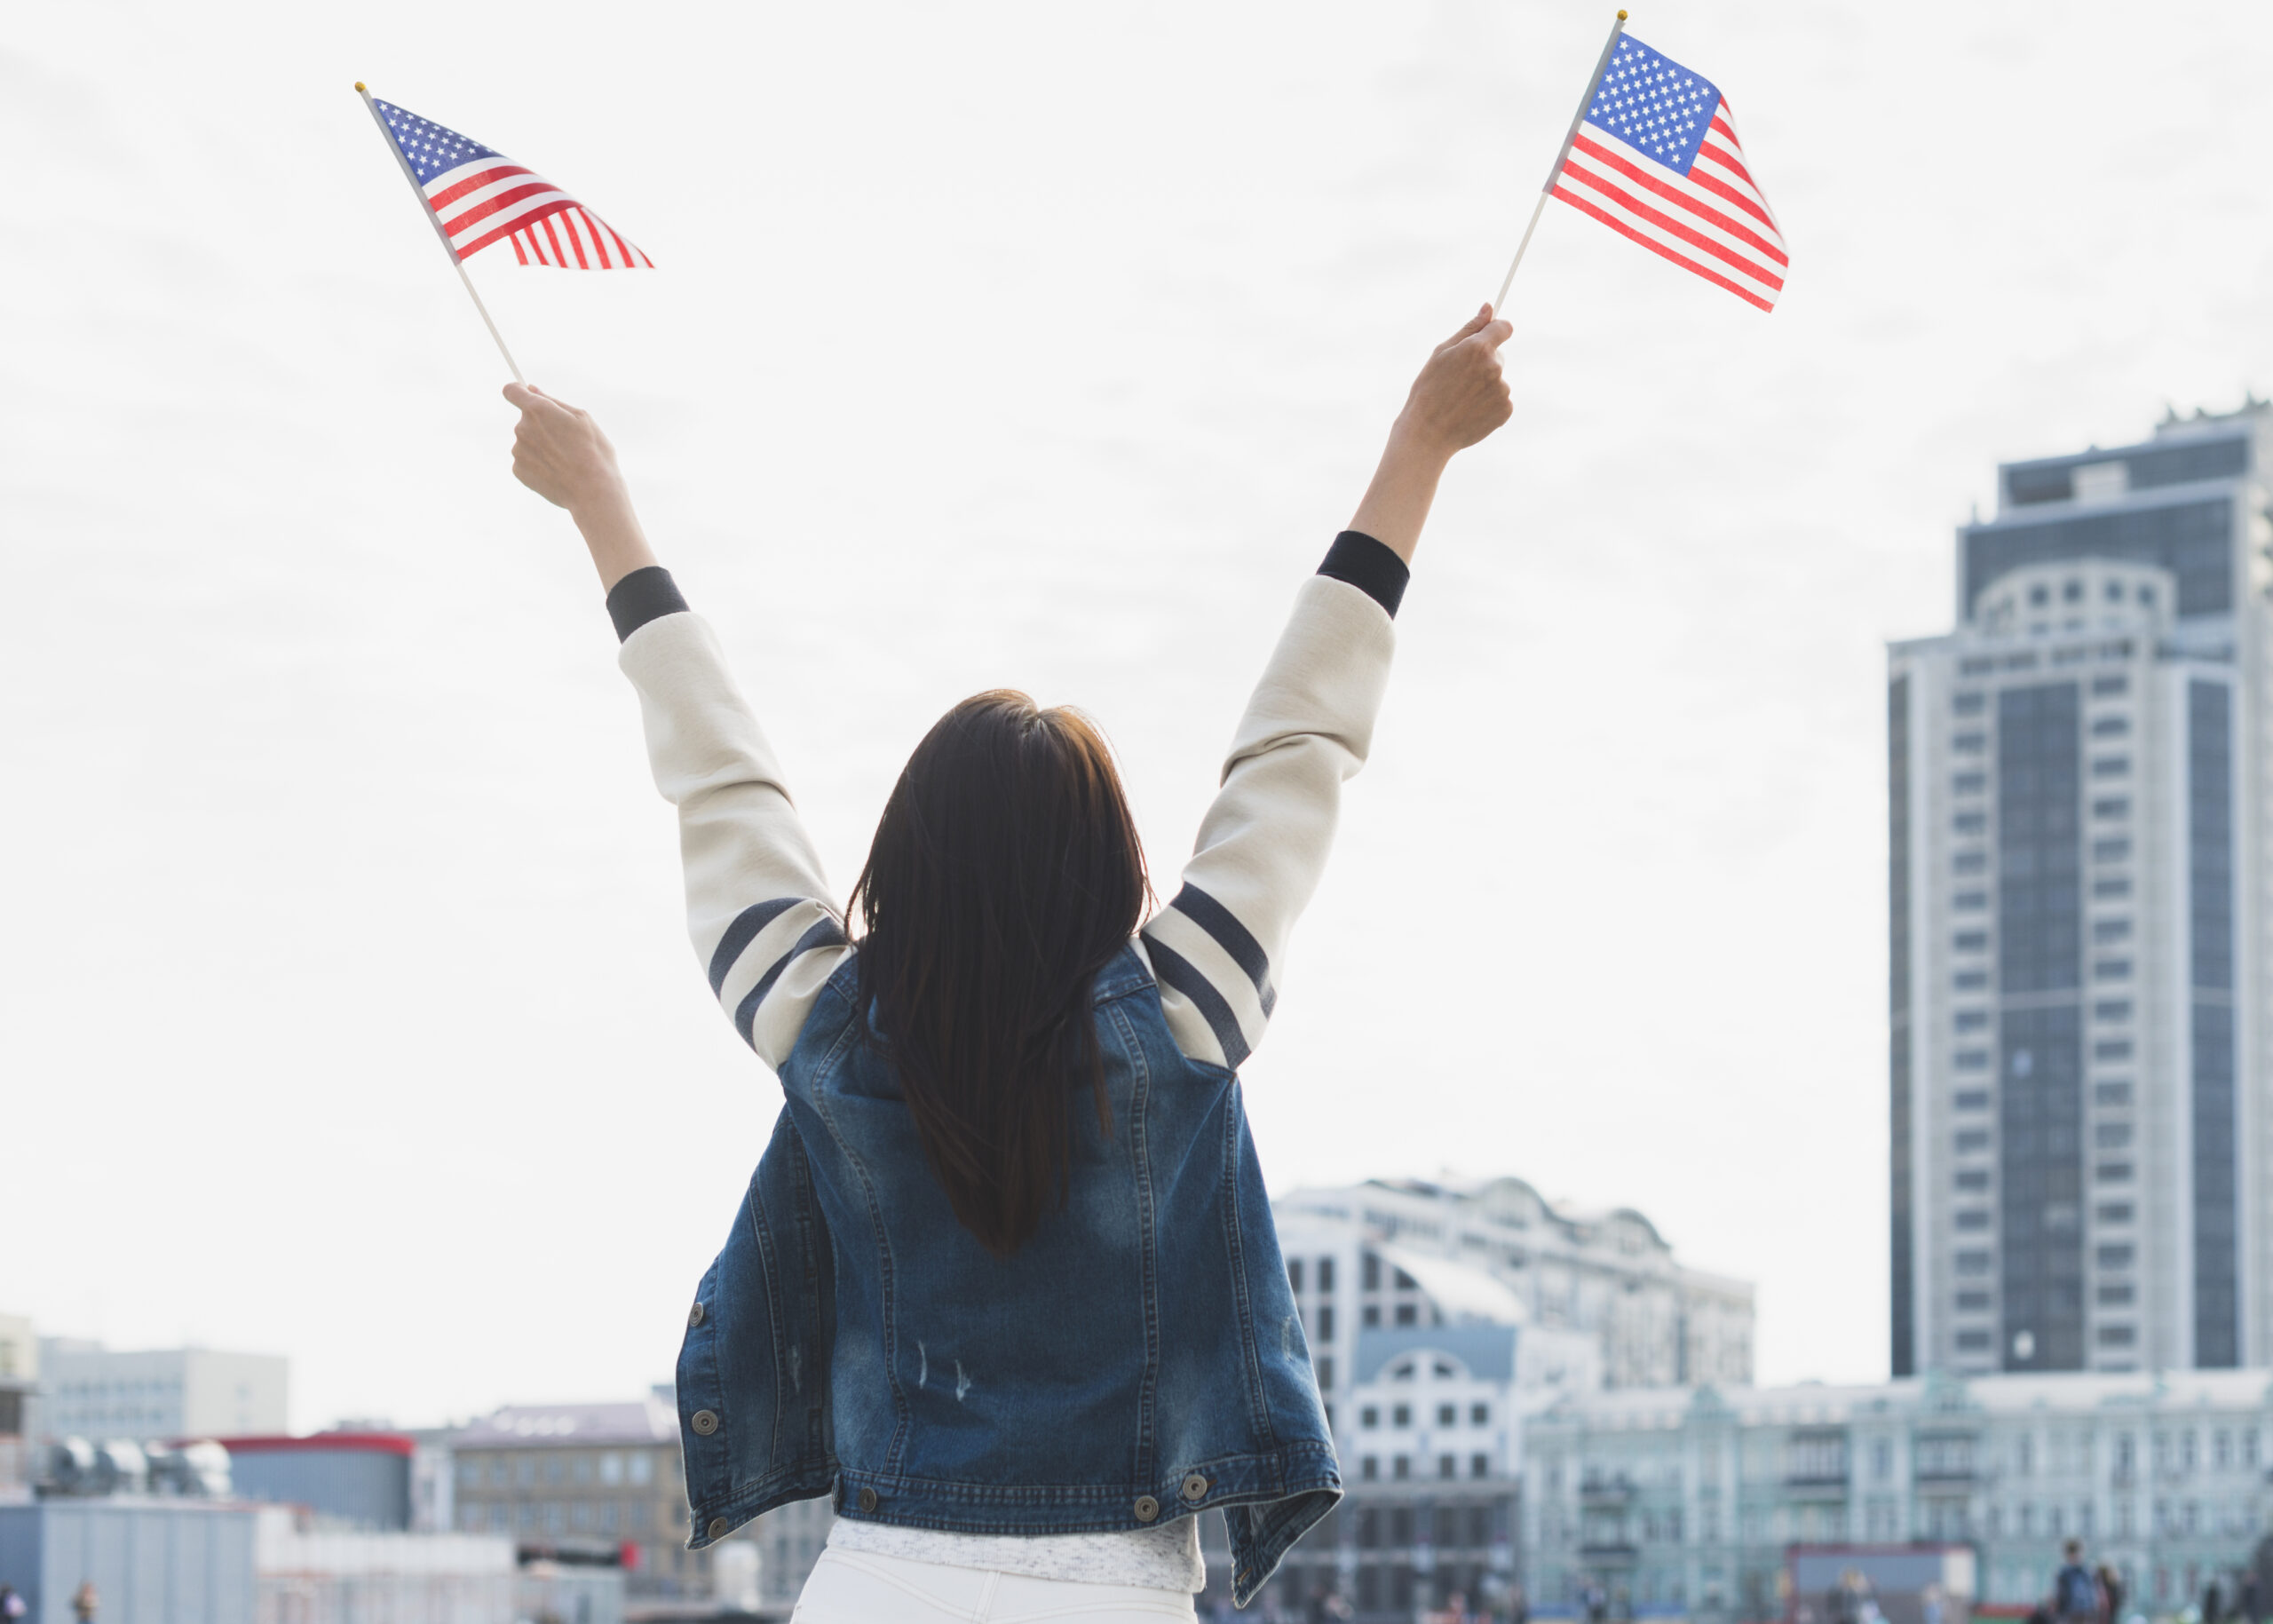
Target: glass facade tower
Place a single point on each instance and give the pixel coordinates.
(2077, 813)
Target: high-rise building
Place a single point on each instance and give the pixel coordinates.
(88, 1390)
(2077, 920)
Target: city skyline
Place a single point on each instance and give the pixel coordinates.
(346, 982)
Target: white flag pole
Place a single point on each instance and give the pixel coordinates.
(427, 208)
(1552, 174)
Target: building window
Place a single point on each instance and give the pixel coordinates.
(1408, 1313)
(1969, 901)
(1479, 1414)
(1973, 1262)
(1970, 1099)
(1970, 823)
(2111, 1136)
(1325, 1320)
(1973, 1020)
(1973, 1342)
(2118, 1336)
(2116, 1297)
(1970, 862)
(1971, 941)
(2112, 806)
(1970, 702)
(2110, 726)
(2111, 969)
(1370, 1315)
(1447, 1415)
(1973, 1179)
(1972, 1303)
(1971, 1060)
(1971, 1141)
(2111, 1009)
(1968, 783)
(2109, 886)
(1401, 1416)
(1369, 1271)
(1447, 1467)
(2114, 1212)
(1294, 1274)
(2116, 1256)
(1370, 1468)
(2112, 1172)
(2113, 1049)
(1968, 743)
(1370, 1416)
(1401, 1468)
(2107, 930)
(1325, 1274)
(1972, 980)
(2113, 683)
(1973, 1219)
(1326, 1378)
(2114, 849)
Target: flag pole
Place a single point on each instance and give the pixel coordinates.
(448, 248)
(1571, 135)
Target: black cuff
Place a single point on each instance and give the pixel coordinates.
(642, 595)
(1369, 565)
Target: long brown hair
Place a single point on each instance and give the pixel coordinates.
(1005, 874)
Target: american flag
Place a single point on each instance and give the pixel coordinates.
(1656, 159)
(480, 197)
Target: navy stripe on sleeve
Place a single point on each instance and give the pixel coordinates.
(1367, 565)
(825, 933)
(642, 595)
(1233, 937)
(744, 931)
(1185, 976)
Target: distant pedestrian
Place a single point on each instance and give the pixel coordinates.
(2249, 1602)
(85, 1602)
(2213, 1603)
(2075, 1593)
(2110, 1592)
(12, 1605)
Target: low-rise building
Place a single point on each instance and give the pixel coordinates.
(1686, 1501)
(345, 1480)
(583, 1480)
(18, 1391)
(88, 1390)
(1409, 1254)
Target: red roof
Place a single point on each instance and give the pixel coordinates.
(360, 1443)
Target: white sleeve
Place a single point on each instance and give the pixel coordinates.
(1264, 841)
(756, 904)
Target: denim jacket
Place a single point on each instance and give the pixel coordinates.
(1141, 1357)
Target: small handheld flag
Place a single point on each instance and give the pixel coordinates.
(476, 197)
(1654, 155)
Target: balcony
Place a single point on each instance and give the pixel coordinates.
(1605, 1489)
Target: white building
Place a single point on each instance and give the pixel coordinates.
(88, 1390)
(2077, 797)
(1687, 1501)
(1404, 1253)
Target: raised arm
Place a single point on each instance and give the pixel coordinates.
(1263, 843)
(755, 900)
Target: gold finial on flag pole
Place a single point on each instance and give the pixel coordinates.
(448, 247)
(1562, 151)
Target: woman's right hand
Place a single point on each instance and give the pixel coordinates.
(1460, 395)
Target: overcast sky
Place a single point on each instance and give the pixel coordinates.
(344, 1007)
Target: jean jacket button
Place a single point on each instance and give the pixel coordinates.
(1195, 1487)
(1146, 1508)
(868, 1499)
(704, 1422)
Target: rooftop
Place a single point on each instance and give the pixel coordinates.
(524, 1426)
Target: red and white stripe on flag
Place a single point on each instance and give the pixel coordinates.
(1712, 220)
(492, 200)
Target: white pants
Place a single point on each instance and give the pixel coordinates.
(859, 1586)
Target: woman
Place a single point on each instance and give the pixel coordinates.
(1005, 1282)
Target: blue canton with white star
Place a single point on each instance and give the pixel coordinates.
(1653, 104)
(432, 148)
